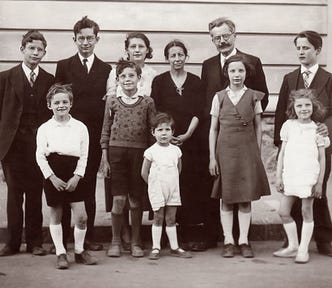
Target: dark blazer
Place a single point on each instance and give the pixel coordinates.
(322, 84)
(214, 80)
(11, 102)
(88, 90)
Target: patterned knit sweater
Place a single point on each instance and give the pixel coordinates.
(127, 125)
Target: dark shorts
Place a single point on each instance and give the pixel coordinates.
(63, 167)
(126, 165)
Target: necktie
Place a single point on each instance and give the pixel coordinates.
(32, 78)
(85, 65)
(305, 75)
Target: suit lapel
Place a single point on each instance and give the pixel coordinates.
(319, 81)
(293, 79)
(17, 80)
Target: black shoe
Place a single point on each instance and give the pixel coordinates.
(37, 251)
(85, 258)
(93, 246)
(62, 262)
(199, 246)
(7, 251)
(228, 251)
(324, 248)
(246, 251)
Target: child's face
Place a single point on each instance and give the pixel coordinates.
(33, 53)
(176, 57)
(60, 105)
(303, 109)
(306, 52)
(137, 50)
(128, 80)
(85, 41)
(236, 73)
(163, 134)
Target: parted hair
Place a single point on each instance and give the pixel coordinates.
(59, 88)
(161, 118)
(319, 111)
(33, 35)
(175, 43)
(85, 22)
(220, 21)
(313, 38)
(238, 58)
(142, 36)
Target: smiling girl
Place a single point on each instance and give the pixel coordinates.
(234, 142)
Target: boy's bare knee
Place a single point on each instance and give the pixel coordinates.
(118, 205)
(158, 218)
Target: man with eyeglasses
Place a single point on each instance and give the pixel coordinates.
(223, 35)
(88, 76)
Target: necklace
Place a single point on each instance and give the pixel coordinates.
(178, 80)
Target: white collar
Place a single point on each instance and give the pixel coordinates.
(62, 124)
(228, 89)
(313, 69)
(230, 55)
(91, 58)
(27, 70)
(121, 94)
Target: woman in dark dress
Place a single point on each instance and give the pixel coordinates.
(179, 93)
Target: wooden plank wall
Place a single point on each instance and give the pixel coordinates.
(265, 28)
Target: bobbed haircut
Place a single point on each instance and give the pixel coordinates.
(142, 36)
(238, 58)
(123, 64)
(313, 38)
(319, 111)
(32, 35)
(85, 22)
(220, 21)
(175, 43)
(161, 118)
(59, 88)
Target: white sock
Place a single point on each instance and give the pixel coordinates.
(226, 218)
(306, 233)
(291, 231)
(172, 237)
(156, 236)
(56, 234)
(79, 235)
(244, 224)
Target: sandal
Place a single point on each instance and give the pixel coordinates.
(154, 254)
(180, 253)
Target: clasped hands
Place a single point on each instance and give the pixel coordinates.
(61, 185)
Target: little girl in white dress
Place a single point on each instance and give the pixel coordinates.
(300, 169)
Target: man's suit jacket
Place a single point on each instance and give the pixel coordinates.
(11, 102)
(214, 80)
(88, 90)
(322, 84)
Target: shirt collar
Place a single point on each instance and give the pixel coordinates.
(27, 70)
(62, 124)
(228, 89)
(313, 69)
(91, 58)
(230, 55)
(121, 94)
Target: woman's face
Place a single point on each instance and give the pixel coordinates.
(137, 50)
(176, 57)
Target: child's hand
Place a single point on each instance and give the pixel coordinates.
(317, 191)
(72, 183)
(213, 167)
(58, 183)
(280, 185)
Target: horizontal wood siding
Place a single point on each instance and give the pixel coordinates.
(264, 28)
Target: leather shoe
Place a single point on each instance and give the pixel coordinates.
(62, 262)
(93, 246)
(199, 246)
(85, 258)
(324, 248)
(228, 251)
(37, 251)
(246, 250)
(7, 251)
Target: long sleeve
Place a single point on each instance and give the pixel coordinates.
(107, 124)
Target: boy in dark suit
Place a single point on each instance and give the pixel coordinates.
(308, 45)
(88, 76)
(223, 34)
(22, 109)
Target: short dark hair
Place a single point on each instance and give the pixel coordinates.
(123, 64)
(142, 36)
(220, 21)
(175, 43)
(161, 118)
(59, 88)
(313, 38)
(238, 58)
(85, 22)
(32, 35)
(319, 111)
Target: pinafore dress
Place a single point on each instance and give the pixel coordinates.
(242, 174)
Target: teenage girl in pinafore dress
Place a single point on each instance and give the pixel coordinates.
(235, 160)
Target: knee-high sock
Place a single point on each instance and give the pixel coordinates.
(291, 231)
(56, 234)
(136, 223)
(116, 228)
(156, 236)
(306, 233)
(244, 224)
(172, 237)
(227, 225)
(79, 236)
